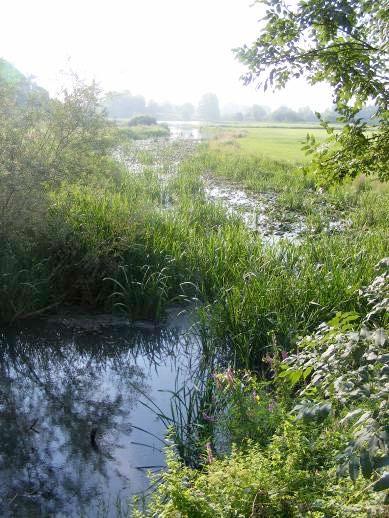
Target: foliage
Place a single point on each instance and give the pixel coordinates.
(294, 476)
(346, 373)
(344, 43)
(9, 74)
(244, 409)
(356, 149)
(208, 108)
(44, 142)
(142, 120)
(141, 132)
(124, 104)
(195, 251)
(291, 463)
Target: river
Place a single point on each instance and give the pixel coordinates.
(71, 411)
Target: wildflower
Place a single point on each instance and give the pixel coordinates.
(255, 395)
(271, 406)
(208, 418)
(284, 355)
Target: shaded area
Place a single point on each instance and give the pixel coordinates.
(68, 400)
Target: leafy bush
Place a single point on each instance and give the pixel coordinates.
(346, 373)
(294, 476)
(143, 120)
(244, 409)
(44, 143)
(143, 132)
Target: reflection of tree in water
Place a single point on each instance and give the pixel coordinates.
(64, 403)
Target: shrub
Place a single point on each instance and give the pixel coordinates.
(143, 120)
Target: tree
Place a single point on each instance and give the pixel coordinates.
(209, 107)
(142, 120)
(284, 114)
(343, 42)
(186, 111)
(124, 105)
(44, 142)
(306, 114)
(258, 112)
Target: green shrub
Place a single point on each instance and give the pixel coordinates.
(295, 476)
(143, 120)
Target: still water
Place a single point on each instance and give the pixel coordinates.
(71, 408)
(185, 130)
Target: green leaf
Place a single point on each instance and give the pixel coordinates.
(366, 464)
(382, 483)
(295, 377)
(353, 468)
(381, 462)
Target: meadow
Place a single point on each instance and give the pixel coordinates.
(274, 141)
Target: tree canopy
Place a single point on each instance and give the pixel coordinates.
(342, 42)
(208, 108)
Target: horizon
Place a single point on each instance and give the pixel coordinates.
(175, 54)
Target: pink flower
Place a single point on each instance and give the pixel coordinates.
(271, 406)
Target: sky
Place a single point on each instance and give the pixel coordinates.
(166, 50)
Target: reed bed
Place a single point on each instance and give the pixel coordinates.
(119, 245)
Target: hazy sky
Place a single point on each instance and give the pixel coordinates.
(163, 49)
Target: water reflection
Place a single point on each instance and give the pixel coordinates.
(185, 130)
(67, 405)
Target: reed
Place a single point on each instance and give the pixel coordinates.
(118, 244)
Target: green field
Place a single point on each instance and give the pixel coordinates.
(276, 142)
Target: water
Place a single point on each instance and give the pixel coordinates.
(256, 211)
(185, 130)
(70, 407)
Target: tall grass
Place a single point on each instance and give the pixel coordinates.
(117, 245)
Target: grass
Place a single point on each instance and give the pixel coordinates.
(146, 236)
(137, 243)
(145, 132)
(275, 142)
(113, 225)
(250, 295)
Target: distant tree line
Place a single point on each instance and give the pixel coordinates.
(124, 105)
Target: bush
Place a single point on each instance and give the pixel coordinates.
(142, 120)
(292, 461)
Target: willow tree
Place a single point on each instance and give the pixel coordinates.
(342, 42)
